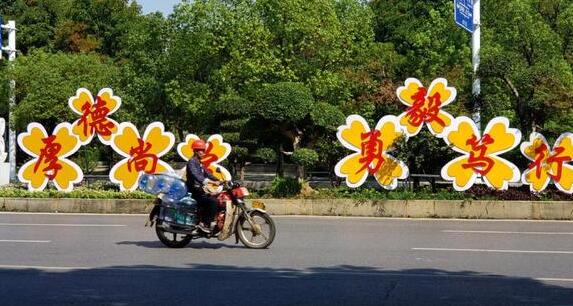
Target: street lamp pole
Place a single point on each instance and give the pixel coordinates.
(11, 50)
(476, 44)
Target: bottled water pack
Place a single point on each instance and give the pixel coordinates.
(172, 187)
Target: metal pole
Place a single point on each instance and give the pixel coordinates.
(12, 134)
(476, 86)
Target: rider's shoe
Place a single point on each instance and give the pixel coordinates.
(203, 228)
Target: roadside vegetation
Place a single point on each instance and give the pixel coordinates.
(277, 77)
(290, 188)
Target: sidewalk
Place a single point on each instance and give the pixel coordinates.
(535, 210)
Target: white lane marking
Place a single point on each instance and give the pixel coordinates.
(62, 224)
(507, 232)
(308, 217)
(30, 241)
(417, 219)
(550, 279)
(14, 267)
(255, 270)
(69, 214)
(492, 251)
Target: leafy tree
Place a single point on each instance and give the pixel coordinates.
(267, 155)
(45, 82)
(4, 91)
(523, 66)
(564, 26)
(425, 33)
(305, 159)
(285, 106)
(141, 76)
(318, 43)
(282, 74)
(228, 56)
(36, 21)
(95, 25)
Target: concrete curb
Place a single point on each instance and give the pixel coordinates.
(553, 210)
(549, 210)
(98, 206)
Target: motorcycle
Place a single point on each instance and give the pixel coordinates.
(176, 222)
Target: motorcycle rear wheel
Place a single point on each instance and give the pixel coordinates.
(170, 239)
(268, 230)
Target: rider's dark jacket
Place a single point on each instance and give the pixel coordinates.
(197, 175)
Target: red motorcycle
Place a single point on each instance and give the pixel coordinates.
(176, 223)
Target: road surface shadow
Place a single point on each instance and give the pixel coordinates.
(194, 245)
(231, 285)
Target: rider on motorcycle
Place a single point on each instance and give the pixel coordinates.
(197, 177)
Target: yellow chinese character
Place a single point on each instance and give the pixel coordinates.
(141, 154)
(480, 153)
(546, 164)
(94, 115)
(217, 151)
(425, 106)
(49, 154)
(371, 152)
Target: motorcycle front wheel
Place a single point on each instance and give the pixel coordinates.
(171, 240)
(253, 238)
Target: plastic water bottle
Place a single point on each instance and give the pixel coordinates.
(188, 201)
(154, 188)
(163, 183)
(169, 215)
(180, 218)
(167, 199)
(142, 181)
(147, 183)
(177, 190)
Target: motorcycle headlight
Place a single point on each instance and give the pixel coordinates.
(240, 192)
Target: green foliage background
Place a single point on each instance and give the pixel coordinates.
(283, 74)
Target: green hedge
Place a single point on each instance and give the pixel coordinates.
(291, 188)
(78, 193)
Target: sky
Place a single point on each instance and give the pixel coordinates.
(164, 6)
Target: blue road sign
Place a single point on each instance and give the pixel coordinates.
(464, 14)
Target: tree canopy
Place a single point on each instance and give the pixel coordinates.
(282, 74)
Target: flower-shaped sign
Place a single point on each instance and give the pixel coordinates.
(370, 155)
(49, 154)
(141, 153)
(94, 115)
(481, 153)
(217, 151)
(547, 164)
(425, 106)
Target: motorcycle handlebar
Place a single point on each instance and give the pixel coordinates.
(228, 185)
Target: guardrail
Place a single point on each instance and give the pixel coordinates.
(261, 180)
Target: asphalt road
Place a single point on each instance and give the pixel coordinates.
(48, 259)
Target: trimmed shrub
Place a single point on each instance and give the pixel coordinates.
(267, 155)
(283, 187)
(305, 157)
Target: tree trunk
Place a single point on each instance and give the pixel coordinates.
(181, 135)
(521, 106)
(300, 171)
(522, 113)
(242, 171)
(280, 162)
